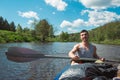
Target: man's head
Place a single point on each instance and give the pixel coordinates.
(84, 35)
(84, 31)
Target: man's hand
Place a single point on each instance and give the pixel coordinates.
(102, 59)
(75, 58)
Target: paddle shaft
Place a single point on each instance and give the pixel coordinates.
(29, 53)
(57, 57)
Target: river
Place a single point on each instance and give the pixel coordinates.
(45, 68)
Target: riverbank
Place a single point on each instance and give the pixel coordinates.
(109, 42)
(8, 37)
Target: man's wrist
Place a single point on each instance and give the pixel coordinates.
(103, 59)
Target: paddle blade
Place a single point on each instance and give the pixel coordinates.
(18, 54)
(19, 59)
(23, 52)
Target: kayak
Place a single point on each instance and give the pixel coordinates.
(78, 72)
(57, 77)
(62, 71)
(68, 67)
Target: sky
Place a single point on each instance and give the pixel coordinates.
(64, 15)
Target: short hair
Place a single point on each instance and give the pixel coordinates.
(84, 31)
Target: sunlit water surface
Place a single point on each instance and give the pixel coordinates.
(45, 68)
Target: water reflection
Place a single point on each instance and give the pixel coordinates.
(44, 69)
(109, 51)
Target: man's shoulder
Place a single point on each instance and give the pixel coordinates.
(77, 45)
(92, 45)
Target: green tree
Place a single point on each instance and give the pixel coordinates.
(26, 30)
(43, 30)
(5, 25)
(12, 27)
(75, 37)
(19, 29)
(64, 36)
(51, 33)
(1, 22)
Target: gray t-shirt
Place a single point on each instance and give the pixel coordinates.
(82, 52)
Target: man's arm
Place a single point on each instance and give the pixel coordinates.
(96, 56)
(73, 51)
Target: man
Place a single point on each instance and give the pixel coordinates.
(84, 49)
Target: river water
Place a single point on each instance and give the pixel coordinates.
(45, 68)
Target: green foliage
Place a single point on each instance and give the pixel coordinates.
(4, 25)
(74, 37)
(9, 36)
(19, 29)
(2, 40)
(64, 36)
(115, 42)
(108, 33)
(12, 27)
(43, 30)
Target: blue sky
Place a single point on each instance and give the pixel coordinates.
(65, 15)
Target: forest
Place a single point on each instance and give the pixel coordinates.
(109, 33)
(43, 31)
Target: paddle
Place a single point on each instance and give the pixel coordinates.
(26, 54)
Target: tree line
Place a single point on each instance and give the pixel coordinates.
(108, 33)
(4, 25)
(43, 31)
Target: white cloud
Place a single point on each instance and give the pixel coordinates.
(30, 22)
(116, 3)
(59, 4)
(96, 4)
(100, 4)
(98, 18)
(95, 19)
(75, 23)
(29, 14)
(71, 30)
(65, 24)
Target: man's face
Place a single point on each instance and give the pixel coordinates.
(84, 36)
